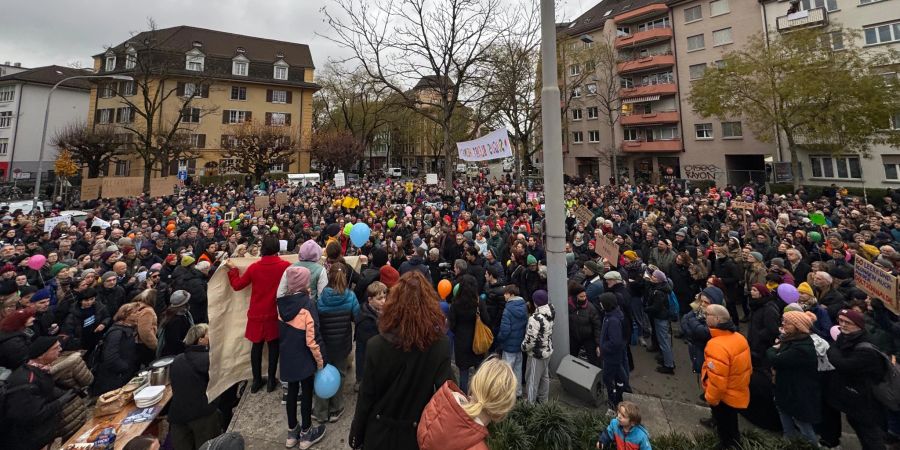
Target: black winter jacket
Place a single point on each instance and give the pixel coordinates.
(118, 360)
(190, 377)
(13, 349)
(37, 404)
(461, 321)
(765, 319)
(584, 323)
(797, 390)
(857, 370)
(111, 298)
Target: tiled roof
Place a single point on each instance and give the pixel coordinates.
(51, 75)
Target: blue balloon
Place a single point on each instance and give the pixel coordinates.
(327, 382)
(359, 234)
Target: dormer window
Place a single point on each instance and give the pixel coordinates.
(130, 58)
(194, 60)
(110, 61)
(281, 70)
(240, 65)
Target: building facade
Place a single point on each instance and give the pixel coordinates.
(661, 46)
(214, 82)
(23, 100)
(879, 24)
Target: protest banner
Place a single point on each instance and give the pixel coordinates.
(742, 205)
(117, 187)
(584, 215)
(531, 197)
(51, 222)
(261, 202)
(98, 222)
(340, 180)
(409, 187)
(163, 186)
(608, 249)
(876, 282)
(90, 188)
(431, 178)
(494, 145)
(281, 198)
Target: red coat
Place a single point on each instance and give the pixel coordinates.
(264, 275)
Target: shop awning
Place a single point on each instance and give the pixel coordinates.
(646, 98)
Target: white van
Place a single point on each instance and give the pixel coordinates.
(393, 172)
(303, 179)
(461, 168)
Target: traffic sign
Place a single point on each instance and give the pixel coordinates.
(182, 175)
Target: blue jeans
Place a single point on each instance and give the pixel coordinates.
(515, 360)
(665, 341)
(794, 429)
(464, 380)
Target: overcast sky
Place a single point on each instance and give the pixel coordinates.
(44, 32)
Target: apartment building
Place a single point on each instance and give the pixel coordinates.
(661, 47)
(879, 24)
(23, 100)
(244, 79)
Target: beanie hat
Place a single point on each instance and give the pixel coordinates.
(854, 316)
(41, 345)
(595, 268)
(805, 288)
(170, 258)
(495, 272)
(608, 301)
(779, 262)
(612, 275)
(156, 267)
(43, 294)
(539, 298)
(802, 321)
(179, 298)
(379, 257)
(105, 255)
(27, 290)
(87, 293)
(310, 251)
(757, 255)
(659, 276)
(714, 294)
(57, 268)
(187, 260)
(530, 260)
(108, 275)
(7, 268)
(297, 278)
(389, 276)
(763, 290)
(858, 294)
(630, 255)
(16, 320)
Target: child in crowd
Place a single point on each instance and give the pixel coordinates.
(367, 323)
(625, 431)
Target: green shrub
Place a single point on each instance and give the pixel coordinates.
(588, 425)
(509, 435)
(551, 425)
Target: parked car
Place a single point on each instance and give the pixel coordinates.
(393, 172)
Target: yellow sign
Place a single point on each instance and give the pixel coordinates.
(409, 186)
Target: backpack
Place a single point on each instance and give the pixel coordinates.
(5, 390)
(886, 390)
(96, 359)
(674, 309)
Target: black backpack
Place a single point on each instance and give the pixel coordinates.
(5, 390)
(96, 359)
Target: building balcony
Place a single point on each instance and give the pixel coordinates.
(646, 63)
(648, 90)
(815, 17)
(645, 37)
(635, 15)
(656, 118)
(671, 145)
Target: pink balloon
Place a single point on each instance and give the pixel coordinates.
(835, 332)
(408, 210)
(36, 262)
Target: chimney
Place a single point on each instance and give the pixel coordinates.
(18, 64)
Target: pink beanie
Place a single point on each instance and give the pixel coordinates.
(310, 251)
(297, 279)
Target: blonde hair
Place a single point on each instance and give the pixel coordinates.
(492, 390)
(631, 411)
(195, 333)
(375, 289)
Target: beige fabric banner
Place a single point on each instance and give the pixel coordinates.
(229, 351)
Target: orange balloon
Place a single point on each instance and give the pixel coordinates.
(444, 288)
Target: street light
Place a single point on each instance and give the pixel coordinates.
(37, 180)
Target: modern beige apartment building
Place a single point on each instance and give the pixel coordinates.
(661, 46)
(878, 24)
(244, 79)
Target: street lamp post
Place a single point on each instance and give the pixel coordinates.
(37, 180)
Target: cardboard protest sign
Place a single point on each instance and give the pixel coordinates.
(90, 188)
(281, 198)
(261, 202)
(584, 215)
(116, 187)
(742, 205)
(163, 187)
(876, 282)
(431, 178)
(51, 222)
(608, 249)
(340, 180)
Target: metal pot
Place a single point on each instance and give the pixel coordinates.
(159, 371)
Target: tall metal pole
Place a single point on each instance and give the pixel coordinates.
(553, 185)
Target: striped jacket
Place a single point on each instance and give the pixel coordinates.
(538, 334)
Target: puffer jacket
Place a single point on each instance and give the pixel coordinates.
(118, 360)
(584, 323)
(38, 407)
(336, 314)
(727, 368)
(512, 325)
(538, 341)
(445, 425)
(658, 301)
(612, 336)
(70, 371)
(300, 339)
(495, 304)
(74, 414)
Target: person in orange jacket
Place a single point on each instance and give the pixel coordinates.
(725, 374)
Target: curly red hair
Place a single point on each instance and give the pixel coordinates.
(412, 314)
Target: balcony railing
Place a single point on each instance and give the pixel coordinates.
(654, 118)
(645, 37)
(668, 145)
(646, 63)
(815, 17)
(648, 89)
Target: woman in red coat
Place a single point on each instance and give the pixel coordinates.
(262, 317)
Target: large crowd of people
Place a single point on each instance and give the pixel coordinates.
(763, 295)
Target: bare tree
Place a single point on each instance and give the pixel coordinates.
(255, 147)
(437, 45)
(90, 147)
(336, 149)
(605, 78)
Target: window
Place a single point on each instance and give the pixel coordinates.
(882, 33)
(574, 70)
(703, 131)
(658, 78)
(732, 130)
(189, 89)
(829, 5)
(4, 146)
(722, 37)
(110, 63)
(594, 136)
(277, 167)
(190, 115)
(123, 168)
(697, 71)
(278, 119)
(718, 7)
(577, 137)
(128, 88)
(589, 43)
(236, 116)
(623, 31)
(658, 23)
(279, 96)
(834, 39)
(593, 112)
(194, 61)
(889, 78)
(590, 65)
(7, 93)
(576, 114)
(630, 134)
(108, 90)
(5, 119)
(238, 93)
(130, 59)
(576, 92)
(105, 115)
(719, 63)
(239, 68)
(665, 134)
(836, 167)
(695, 42)
(626, 83)
(198, 140)
(891, 167)
(281, 72)
(692, 14)
(124, 115)
(592, 89)
(895, 121)
(866, 2)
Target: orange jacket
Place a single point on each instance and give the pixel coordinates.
(445, 425)
(726, 369)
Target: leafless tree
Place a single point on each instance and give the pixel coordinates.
(337, 149)
(90, 147)
(255, 147)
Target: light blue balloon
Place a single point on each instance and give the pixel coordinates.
(327, 382)
(359, 234)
